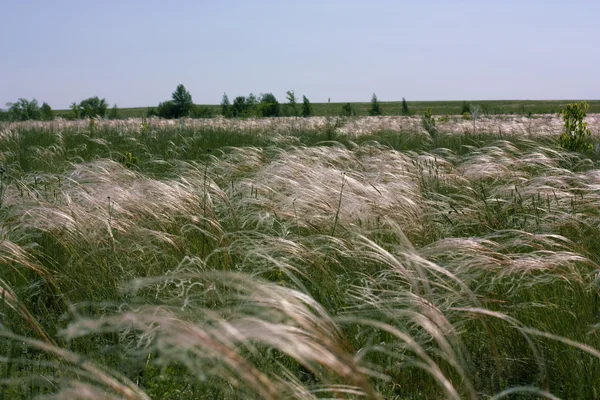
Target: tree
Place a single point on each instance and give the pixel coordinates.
(24, 110)
(269, 106)
(291, 103)
(466, 108)
(375, 106)
(239, 107)
(92, 107)
(348, 110)
(114, 112)
(226, 106)
(46, 111)
(576, 134)
(167, 109)
(306, 107)
(182, 101)
(405, 110)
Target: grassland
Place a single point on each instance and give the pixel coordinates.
(493, 107)
(300, 258)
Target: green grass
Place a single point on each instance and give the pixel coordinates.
(522, 107)
(292, 262)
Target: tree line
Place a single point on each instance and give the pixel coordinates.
(181, 105)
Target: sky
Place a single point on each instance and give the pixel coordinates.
(134, 53)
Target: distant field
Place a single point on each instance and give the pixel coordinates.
(523, 107)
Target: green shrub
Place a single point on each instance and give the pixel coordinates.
(201, 112)
(405, 110)
(46, 111)
(92, 107)
(114, 112)
(466, 108)
(291, 105)
(269, 106)
(306, 107)
(428, 122)
(576, 132)
(226, 106)
(348, 110)
(375, 106)
(24, 110)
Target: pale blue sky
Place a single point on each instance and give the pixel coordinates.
(135, 52)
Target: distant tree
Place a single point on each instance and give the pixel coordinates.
(199, 111)
(75, 112)
(405, 110)
(151, 112)
(292, 103)
(375, 106)
(466, 108)
(167, 109)
(114, 112)
(182, 101)
(46, 111)
(252, 104)
(92, 107)
(306, 107)
(4, 115)
(239, 107)
(24, 110)
(269, 106)
(226, 106)
(348, 110)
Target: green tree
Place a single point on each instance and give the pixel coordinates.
(226, 107)
(114, 112)
(182, 101)
(405, 110)
(92, 107)
(46, 111)
(292, 103)
(576, 134)
(466, 108)
(375, 106)
(24, 110)
(348, 110)
(199, 111)
(239, 107)
(306, 107)
(269, 106)
(167, 110)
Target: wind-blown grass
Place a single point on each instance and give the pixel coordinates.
(298, 258)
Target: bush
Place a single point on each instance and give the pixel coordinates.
(167, 109)
(348, 110)
(428, 122)
(46, 111)
(375, 106)
(226, 107)
(239, 107)
(405, 110)
(201, 112)
(466, 108)
(306, 107)
(114, 112)
(576, 132)
(180, 105)
(92, 107)
(269, 106)
(291, 105)
(24, 110)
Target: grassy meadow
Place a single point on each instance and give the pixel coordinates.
(299, 258)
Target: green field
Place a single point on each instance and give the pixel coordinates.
(522, 107)
(299, 259)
